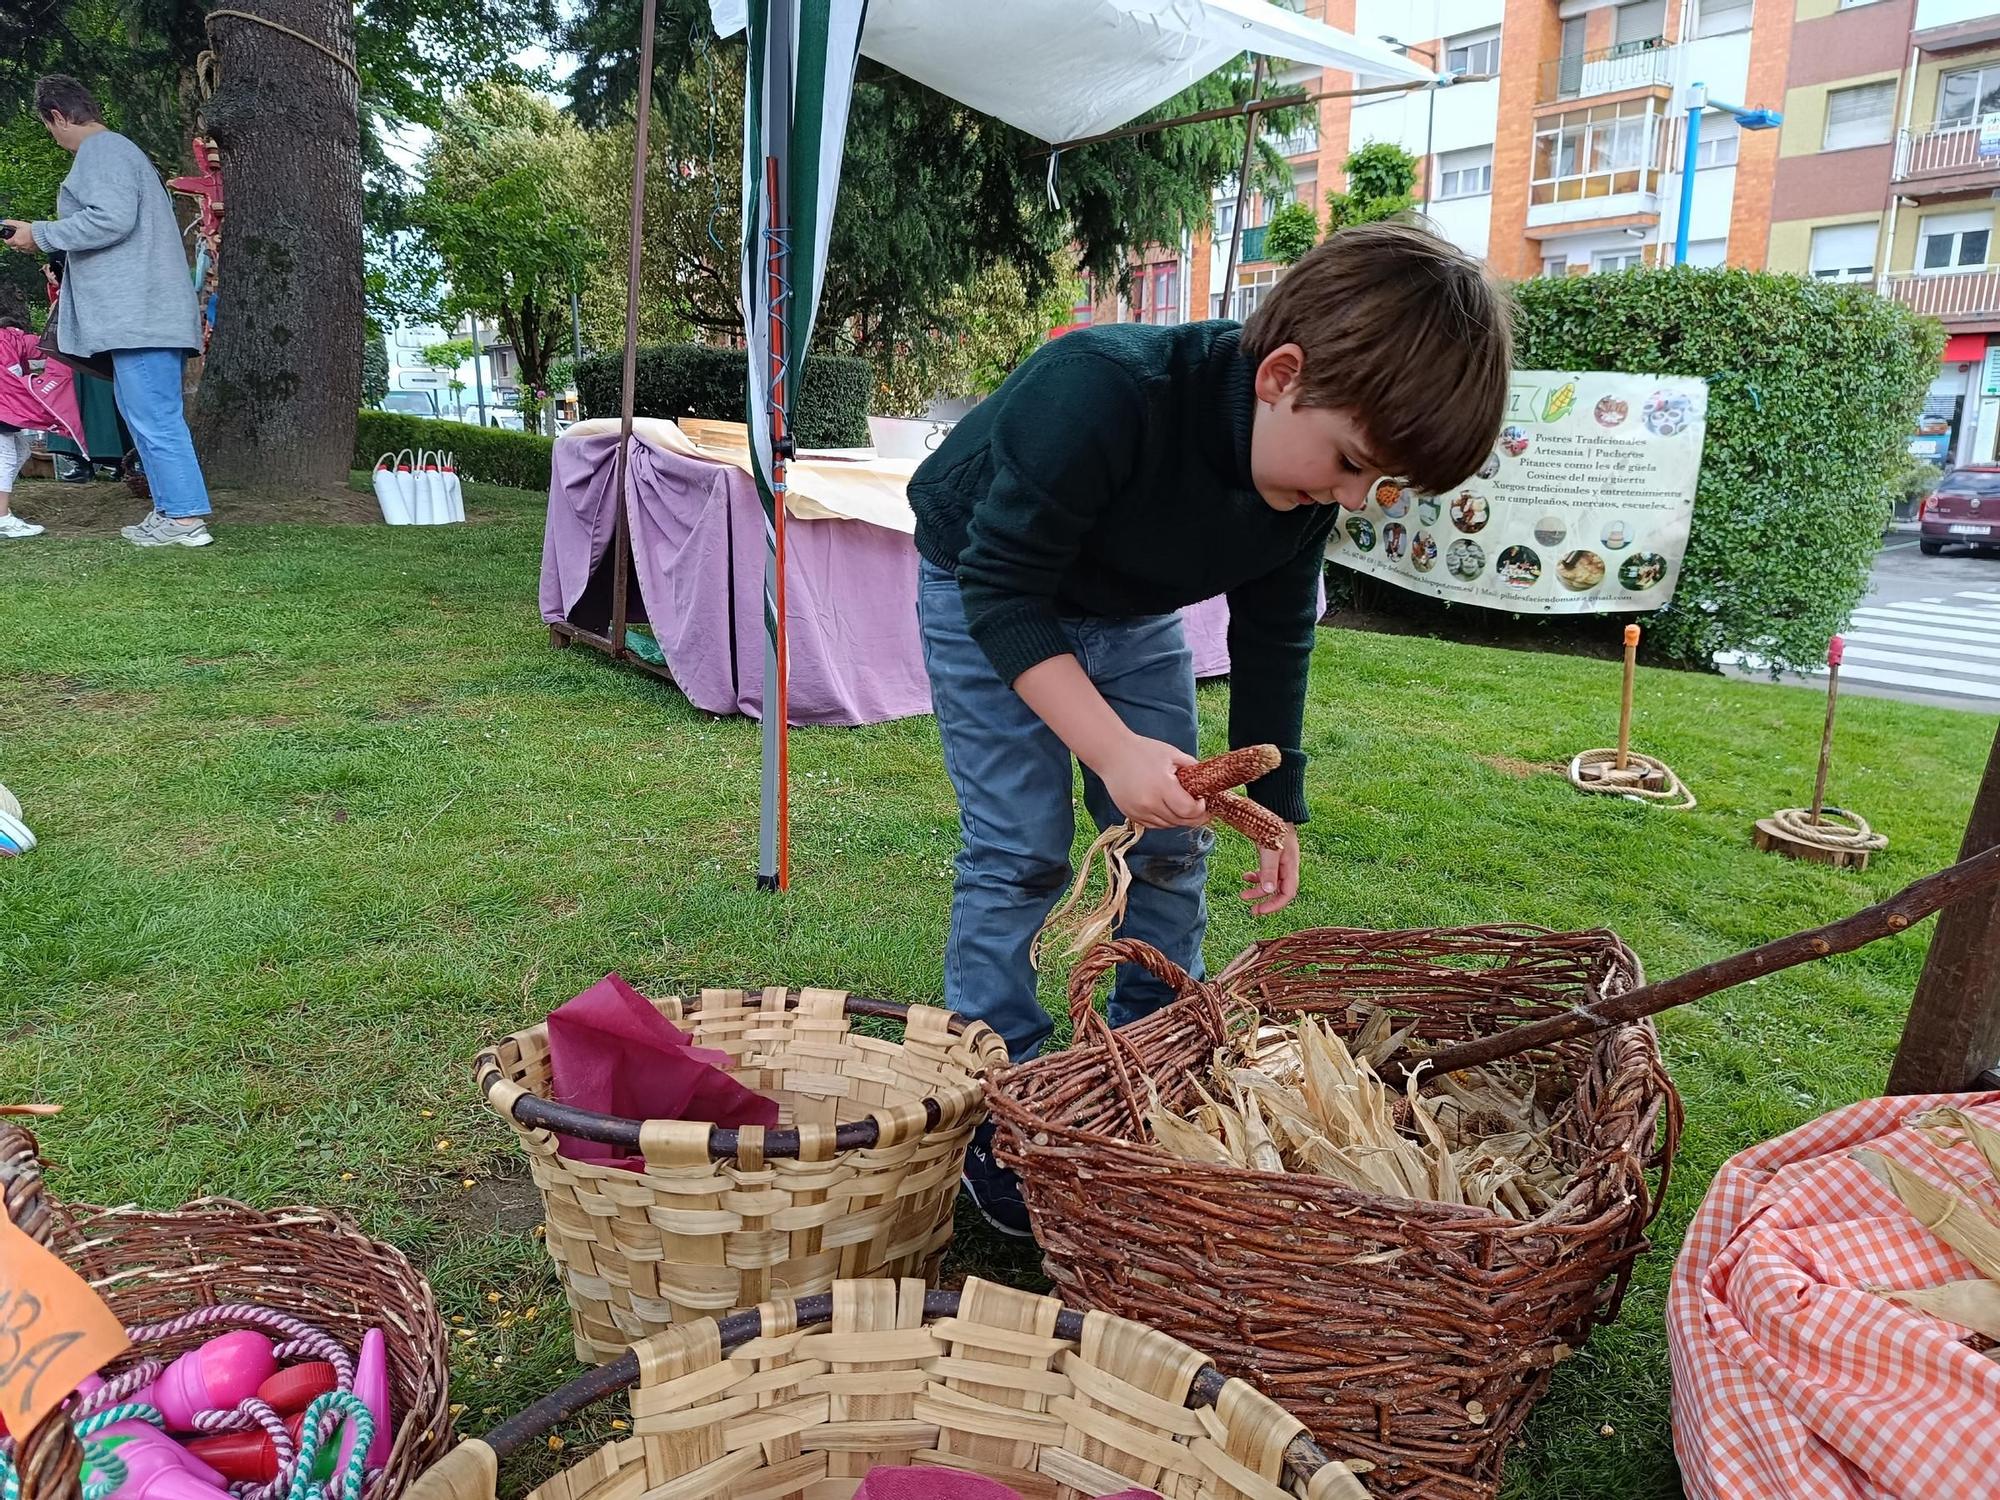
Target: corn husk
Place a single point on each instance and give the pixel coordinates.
(1961, 1222)
(1936, 1126)
(1303, 1100)
(1973, 1304)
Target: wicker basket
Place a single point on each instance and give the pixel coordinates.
(999, 1382)
(150, 1267)
(1416, 1335)
(858, 1179)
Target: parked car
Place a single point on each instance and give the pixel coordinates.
(1965, 507)
(411, 403)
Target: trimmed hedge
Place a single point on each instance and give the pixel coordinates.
(699, 380)
(1814, 389)
(486, 455)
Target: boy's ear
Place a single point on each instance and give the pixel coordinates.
(1278, 373)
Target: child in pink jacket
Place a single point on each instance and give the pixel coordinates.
(43, 400)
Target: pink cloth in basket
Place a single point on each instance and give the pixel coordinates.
(612, 1052)
(949, 1484)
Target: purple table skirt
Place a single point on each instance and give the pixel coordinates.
(698, 552)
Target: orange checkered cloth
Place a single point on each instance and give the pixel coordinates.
(1794, 1381)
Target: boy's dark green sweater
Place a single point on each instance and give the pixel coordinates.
(1110, 475)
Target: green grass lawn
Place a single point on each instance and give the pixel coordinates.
(321, 812)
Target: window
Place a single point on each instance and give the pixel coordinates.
(1156, 293)
(1085, 310)
(1640, 25)
(1967, 95)
(1592, 153)
(1717, 147)
(1465, 174)
(1844, 252)
(1305, 184)
(1225, 216)
(1251, 288)
(1556, 265)
(1618, 260)
(1720, 17)
(1861, 116)
(1475, 52)
(1952, 242)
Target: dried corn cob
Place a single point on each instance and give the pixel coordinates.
(1221, 772)
(1255, 822)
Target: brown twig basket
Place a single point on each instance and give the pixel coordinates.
(1416, 1335)
(858, 1179)
(150, 1267)
(801, 1399)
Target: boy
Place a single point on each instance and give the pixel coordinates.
(1122, 473)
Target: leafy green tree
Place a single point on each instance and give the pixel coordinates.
(448, 355)
(1381, 177)
(282, 380)
(32, 167)
(1293, 230)
(933, 194)
(374, 368)
(502, 223)
(983, 332)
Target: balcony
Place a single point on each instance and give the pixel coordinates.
(1950, 158)
(1952, 296)
(1252, 249)
(1608, 70)
(1301, 142)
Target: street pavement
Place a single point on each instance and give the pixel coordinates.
(1927, 632)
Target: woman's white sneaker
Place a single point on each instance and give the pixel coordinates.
(13, 528)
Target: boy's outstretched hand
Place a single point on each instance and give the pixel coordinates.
(1275, 882)
(1140, 777)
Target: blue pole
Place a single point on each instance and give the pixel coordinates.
(1687, 179)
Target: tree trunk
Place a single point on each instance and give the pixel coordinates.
(283, 376)
(1953, 1031)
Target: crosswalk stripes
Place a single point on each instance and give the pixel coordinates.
(1948, 646)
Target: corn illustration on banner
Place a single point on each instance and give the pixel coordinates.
(1583, 507)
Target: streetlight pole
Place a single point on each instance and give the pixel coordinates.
(1430, 112)
(1747, 119)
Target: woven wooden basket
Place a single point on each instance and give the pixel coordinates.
(1416, 1335)
(801, 1399)
(150, 1267)
(858, 1179)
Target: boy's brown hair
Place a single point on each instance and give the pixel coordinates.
(58, 93)
(1406, 332)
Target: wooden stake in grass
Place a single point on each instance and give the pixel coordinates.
(1828, 835)
(1625, 695)
(1835, 649)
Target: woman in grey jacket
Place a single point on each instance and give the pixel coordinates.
(127, 293)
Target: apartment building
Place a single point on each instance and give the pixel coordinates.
(1566, 157)
(1888, 172)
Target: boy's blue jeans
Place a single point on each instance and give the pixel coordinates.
(147, 385)
(1017, 815)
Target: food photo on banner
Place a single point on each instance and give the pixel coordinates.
(1584, 505)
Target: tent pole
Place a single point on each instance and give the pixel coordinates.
(621, 540)
(775, 866)
(1250, 124)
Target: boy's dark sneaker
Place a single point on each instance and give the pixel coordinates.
(995, 1190)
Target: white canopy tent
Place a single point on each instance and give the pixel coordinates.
(1056, 69)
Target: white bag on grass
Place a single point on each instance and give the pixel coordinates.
(453, 490)
(392, 491)
(425, 508)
